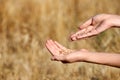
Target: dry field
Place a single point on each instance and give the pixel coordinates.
(26, 24)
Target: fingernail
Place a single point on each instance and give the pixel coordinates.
(78, 37)
(74, 38)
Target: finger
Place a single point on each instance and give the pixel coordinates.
(94, 20)
(94, 30)
(74, 36)
(84, 31)
(56, 58)
(59, 58)
(60, 46)
(54, 45)
(89, 34)
(78, 32)
(51, 49)
(70, 38)
(89, 29)
(84, 35)
(86, 24)
(47, 46)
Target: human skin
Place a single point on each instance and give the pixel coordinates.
(92, 27)
(96, 25)
(81, 55)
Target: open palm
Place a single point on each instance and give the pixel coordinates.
(60, 53)
(96, 25)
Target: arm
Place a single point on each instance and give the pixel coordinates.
(94, 57)
(102, 58)
(71, 56)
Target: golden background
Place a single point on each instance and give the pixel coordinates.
(25, 25)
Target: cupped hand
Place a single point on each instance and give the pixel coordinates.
(60, 53)
(96, 25)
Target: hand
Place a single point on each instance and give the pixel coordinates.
(96, 25)
(60, 53)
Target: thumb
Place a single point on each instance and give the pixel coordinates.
(86, 24)
(58, 58)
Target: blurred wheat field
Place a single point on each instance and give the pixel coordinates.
(25, 25)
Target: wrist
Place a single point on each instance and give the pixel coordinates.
(83, 56)
(116, 22)
(89, 57)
